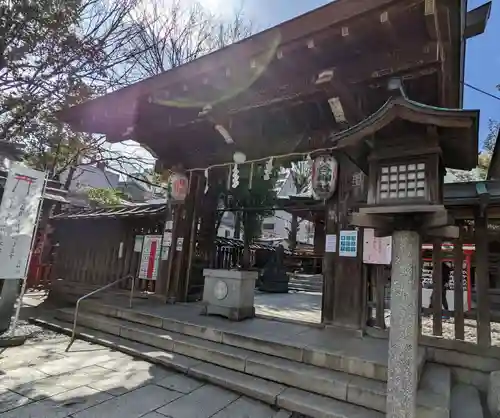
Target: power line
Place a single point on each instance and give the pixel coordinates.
(493, 96)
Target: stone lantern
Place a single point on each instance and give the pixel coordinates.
(404, 148)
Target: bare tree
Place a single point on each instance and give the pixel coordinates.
(171, 34)
(301, 177)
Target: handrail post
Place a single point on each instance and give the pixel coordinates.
(77, 307)
(131, 292)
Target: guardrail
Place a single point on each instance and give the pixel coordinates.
(128, 276)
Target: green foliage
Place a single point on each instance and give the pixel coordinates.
(256, 200)
(301, 172)
(105, 196)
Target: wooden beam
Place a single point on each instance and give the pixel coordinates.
(371, 221)
(437, 219)
(444, 232)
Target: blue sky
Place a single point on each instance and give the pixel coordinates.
(482, 57)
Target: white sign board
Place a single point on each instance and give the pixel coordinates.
(167, 239)
(331, 243)
(348, 246)
(18, 219)
(150, 257)
(376, 250)
(138, 243)
(180, 242)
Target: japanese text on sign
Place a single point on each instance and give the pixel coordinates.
(18, 219)
(150, 257)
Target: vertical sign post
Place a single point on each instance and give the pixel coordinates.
(19, 214)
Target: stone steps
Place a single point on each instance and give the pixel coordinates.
(333, 384)
(293, 399)
(269, 361)
(465, 402)
(286, 384)
(339, 360)
(305, 283)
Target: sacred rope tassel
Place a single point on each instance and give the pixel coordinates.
(250, 181)
(236, 176)
(268, 169)
(206, 181)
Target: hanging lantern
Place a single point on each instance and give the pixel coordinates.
(178, 187)
(324, 176)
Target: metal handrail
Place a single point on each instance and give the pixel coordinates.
(128, 276)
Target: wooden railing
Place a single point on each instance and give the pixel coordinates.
(470, 301)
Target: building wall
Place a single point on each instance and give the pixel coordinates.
(85, 177)
(276, 226)
(90, 176)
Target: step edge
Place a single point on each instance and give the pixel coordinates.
(250, 338)
(351, 382)
(135, 353)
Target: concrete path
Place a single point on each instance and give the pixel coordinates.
(40, 380)
(295, 306)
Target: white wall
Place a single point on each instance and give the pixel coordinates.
(225, 232)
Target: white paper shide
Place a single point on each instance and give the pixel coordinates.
(18, 219)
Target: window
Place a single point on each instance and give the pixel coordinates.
(402, 181)
(268, 226)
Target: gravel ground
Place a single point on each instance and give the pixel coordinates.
(470, 330)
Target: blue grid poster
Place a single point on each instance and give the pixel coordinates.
(348, 244)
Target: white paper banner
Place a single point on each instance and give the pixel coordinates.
(331, 243)
(18, 218)
(150, 257)
(376, 250)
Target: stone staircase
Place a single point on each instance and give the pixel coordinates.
(315, 382)
(305, 283)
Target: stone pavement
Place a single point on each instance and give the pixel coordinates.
(40, 380)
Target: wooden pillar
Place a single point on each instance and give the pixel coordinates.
(329, 263)
(319, 242)
(319, 236)
(380, 280)
(482, 280)
(437, 285)
(172, 255)
(458, 260)
(208, 216)
(191, 235)
(183, 232)
(163, 274)
(349, 305)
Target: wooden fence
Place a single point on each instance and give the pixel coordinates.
(468, 322)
